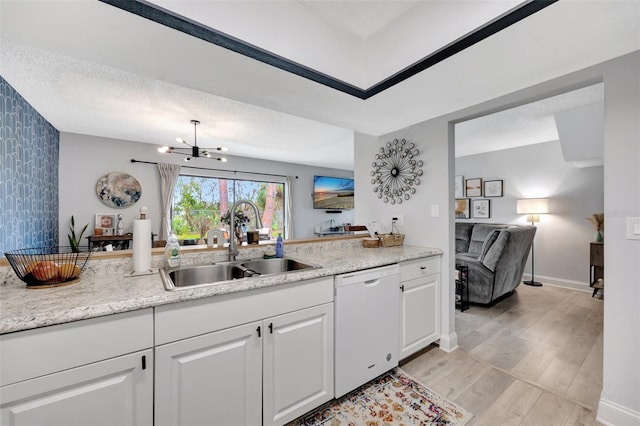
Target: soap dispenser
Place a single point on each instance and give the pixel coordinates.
(279, 246)
(172, 251)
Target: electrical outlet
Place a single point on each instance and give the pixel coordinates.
(397, 220)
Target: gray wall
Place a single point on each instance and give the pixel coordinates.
(421, 228)
(83, 159)
(539, 171)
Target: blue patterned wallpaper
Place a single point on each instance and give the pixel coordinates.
(28, 174)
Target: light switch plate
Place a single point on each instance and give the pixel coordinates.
(633, 228)
(435, 210)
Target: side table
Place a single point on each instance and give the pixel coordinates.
(596, 266)
(462, 287)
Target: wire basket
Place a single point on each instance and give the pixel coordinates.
(45, 267)
(391, 240)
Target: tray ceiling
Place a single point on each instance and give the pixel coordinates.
(92, 68)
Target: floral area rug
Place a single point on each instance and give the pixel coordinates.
(393, 398)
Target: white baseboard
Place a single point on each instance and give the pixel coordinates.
(448, 343)
(612, 414)
(560, 282)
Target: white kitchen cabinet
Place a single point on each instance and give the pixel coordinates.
(298, 363)
(269, 370)
(211, 379)
(420, 307)
(77, 378)
(118, 391)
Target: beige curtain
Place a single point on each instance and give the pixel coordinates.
(288, 226)
(168, 179)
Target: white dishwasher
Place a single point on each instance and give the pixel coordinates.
(367, 322)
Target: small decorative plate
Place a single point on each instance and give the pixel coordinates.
(118, 190)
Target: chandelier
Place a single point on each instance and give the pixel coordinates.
(194, 151)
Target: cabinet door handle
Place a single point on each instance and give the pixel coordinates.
(258, 330)
(423, 267)
(402, 288)
(144, 362)
(271, 327)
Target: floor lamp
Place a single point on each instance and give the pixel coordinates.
(533, 207)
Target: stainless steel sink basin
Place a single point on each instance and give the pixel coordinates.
(275, 266)
(205, 275)
(194, 276)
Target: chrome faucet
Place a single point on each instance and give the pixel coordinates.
(233, 249)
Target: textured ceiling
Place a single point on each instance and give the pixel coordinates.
(109, 102)
(524, 125)
(93, 69)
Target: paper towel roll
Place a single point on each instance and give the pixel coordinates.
(141, 245)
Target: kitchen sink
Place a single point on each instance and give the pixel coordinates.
(205, 275)
(275, 266)
(193, 276)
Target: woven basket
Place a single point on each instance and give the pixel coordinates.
(391, 240)
(371, 242)
(46, 267)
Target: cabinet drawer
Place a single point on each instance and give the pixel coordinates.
(33, 353)
(412, 269)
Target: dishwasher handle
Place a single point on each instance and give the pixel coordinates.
(372, 283)
(366, 276)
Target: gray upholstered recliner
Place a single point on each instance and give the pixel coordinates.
(495, 255)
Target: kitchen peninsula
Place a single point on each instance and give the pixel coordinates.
(162, 344)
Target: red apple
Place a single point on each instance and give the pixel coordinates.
(46, 270)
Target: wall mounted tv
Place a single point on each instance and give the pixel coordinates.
(332, 193)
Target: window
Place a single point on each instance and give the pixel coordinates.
(200, 202)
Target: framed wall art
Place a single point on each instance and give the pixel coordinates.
(459, 187)
(396, 171)
(473, 187)
(462, 208)
(106, 223)
(493, 188)
(119, 190)
(481, 209)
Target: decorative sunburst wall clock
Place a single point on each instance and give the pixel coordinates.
(396, 171)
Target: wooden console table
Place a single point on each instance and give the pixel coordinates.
(119, 242)
(596, 265)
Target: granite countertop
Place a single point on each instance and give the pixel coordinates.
(105, 287)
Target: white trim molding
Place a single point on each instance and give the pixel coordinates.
(610, 413)
(448, 343)
(560, 282)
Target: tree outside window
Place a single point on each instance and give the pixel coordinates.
(200, 202)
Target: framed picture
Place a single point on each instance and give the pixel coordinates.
(493, 188)
(459, 185)
(105, 222)
(462, 208)
(473, 187)
(481, 209)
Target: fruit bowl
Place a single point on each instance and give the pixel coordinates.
(46, 267)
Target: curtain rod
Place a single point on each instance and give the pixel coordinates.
(217, 170)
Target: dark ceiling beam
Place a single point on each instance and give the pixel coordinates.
(195, 29)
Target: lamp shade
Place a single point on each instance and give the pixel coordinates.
(533, 206)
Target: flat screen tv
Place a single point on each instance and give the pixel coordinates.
(332, 193)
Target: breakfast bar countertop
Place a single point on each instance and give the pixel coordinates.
(106, 288)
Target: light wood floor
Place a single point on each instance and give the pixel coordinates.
(532, 359)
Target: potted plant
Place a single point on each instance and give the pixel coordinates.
(240, 220)
(74, 241)
(598, 221)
